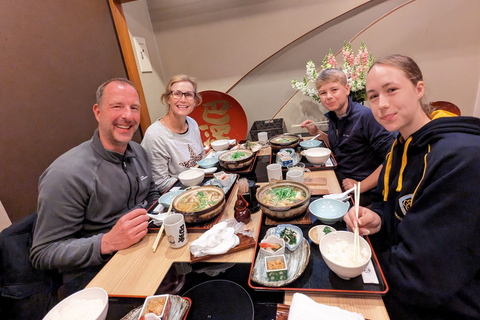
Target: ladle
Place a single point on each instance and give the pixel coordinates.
(339, 196)
(315, 137)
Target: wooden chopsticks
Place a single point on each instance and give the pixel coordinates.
(356, 238)
(159, 235)
(319, 122)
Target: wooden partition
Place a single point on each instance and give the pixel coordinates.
(54, 54)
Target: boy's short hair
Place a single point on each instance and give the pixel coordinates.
(330, 75)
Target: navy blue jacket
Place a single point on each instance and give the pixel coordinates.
(358, 142)
(429, 243)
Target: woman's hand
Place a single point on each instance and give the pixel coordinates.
(369, 222)
(311, 127)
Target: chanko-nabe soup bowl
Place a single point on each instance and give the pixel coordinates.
(282, 141)
(337, 249)
(236, 159)
(200, 204)
(284, 200)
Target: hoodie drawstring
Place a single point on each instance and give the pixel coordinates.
(389, 168)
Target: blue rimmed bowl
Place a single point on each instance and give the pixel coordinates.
(328, 211)
(291, 234)
(208, 162)
(168, 197)
(307, 144)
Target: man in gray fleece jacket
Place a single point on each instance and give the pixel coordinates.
(93, 199)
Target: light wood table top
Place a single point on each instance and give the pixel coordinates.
(138, 271)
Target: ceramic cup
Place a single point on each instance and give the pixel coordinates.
(263, 138)
(296, 175)
(274, 172)
(176, 230)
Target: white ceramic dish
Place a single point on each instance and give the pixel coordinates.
(318, 232)
(296, 260)
(273, 239)
(166, 307)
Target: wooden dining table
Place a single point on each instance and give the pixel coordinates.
(138, 271)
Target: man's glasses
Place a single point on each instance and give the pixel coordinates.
(177, 95)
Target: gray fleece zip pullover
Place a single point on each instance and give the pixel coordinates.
(82, 195)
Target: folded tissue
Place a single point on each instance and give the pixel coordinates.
(302, 307)
(218, 240)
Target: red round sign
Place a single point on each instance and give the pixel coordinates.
(220, 116)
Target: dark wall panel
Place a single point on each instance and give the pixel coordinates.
(53, 56)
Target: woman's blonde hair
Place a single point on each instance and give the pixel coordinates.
(412, 72)
(180, 78)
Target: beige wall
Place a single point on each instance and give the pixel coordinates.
(220, 42)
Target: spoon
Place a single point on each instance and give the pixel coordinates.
(207, 170)
(339, 196)
(318, 135)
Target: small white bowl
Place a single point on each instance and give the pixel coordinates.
(276, 274)
(71, 303)
(166, 307)
(219, 145)
(192, 177)
(318, 232)
(317, 156)
(273, 240)
(224, 178)
(337, 248)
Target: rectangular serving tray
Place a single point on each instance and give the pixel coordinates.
(317, 277)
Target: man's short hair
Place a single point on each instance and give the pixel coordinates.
(101, 88)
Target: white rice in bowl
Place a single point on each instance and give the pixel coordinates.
(341, 252)
(79, 309)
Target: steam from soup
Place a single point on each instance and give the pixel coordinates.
(283, 196)
(198, 201)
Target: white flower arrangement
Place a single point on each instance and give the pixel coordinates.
(355, 68)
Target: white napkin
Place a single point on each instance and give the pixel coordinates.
(218, 240)
(304, 308)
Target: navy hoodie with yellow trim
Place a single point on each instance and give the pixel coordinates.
(428, 196)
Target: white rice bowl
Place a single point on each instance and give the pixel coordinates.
(86, 304)
(338, 253)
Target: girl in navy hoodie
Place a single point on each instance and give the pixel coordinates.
(425, 218)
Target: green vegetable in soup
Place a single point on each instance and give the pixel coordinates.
(237, 155)
(289, 236)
